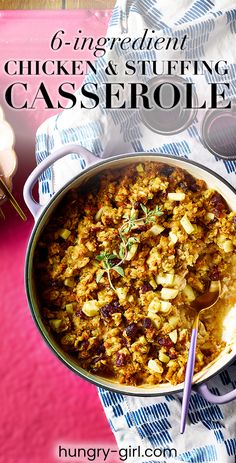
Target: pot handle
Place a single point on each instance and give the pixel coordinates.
(34, 207)
(213, 398)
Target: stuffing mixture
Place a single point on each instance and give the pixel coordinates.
(119, 264)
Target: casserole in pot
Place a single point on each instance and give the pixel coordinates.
(155, 214)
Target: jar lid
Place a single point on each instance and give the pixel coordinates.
(219, 132)
(167, 120)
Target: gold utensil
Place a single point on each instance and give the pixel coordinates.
(200, 304)
(11, 198)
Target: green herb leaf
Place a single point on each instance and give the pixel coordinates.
(131, 241)
(101, 256)
(149, 220)
(126, 229)
(105, 256)
(111, 256)
(132, 218)
(100, 275)
(122, 251)
(158, 211)
(144, 208)
(119, 270)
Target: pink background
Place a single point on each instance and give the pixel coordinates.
(43, 403)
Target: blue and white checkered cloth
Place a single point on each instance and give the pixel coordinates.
(211, 29)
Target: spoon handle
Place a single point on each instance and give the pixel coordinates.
(188, 378)
(11, 198)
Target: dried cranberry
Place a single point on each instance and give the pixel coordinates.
(146, 322)
(154, 351)
(214, 274)
(84, 345)
(166, 170)
(140, 229)
(165, 342)
(80, 314)
(172, 353)
(53, 283)
(217, 212)
(96, 360)
(110, 308)
(136, 205)
(219, 205)
(183, 186)
(190, 182)
(56, 284)
(124, 342)
(145, 287)
(217, 199)
(101, 349)
(132, 330)
(96, 229)
(120, 359)
(163, 194)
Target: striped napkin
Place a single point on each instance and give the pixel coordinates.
(153, 423)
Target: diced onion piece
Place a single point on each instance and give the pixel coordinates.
(91, 308)
(168, 293)
(139, 168)
(163, 357)
(199, 357)
(176, 196)
(153, 283)
(173, 335)
(154, 305)
(221, 238)
(132, 251)
(155, 366)
(173, 321)
(70, 307)
(122, 294)
(214, 286)
(55, 323)
(228, 246)
(210, 216)
(155, 319)
(165, 306)
(179, 281)
(186, 224)
(70, 282)
(64, 233)
(166, 279)
(173, 237)
(172, 363)
(99, 214)
(189, 293)
(156, 229)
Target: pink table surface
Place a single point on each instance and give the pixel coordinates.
(43, 403)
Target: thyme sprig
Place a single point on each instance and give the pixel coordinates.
(126, 242)
(107, 259)
(150, 215)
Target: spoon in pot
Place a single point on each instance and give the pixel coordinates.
(200, 304)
